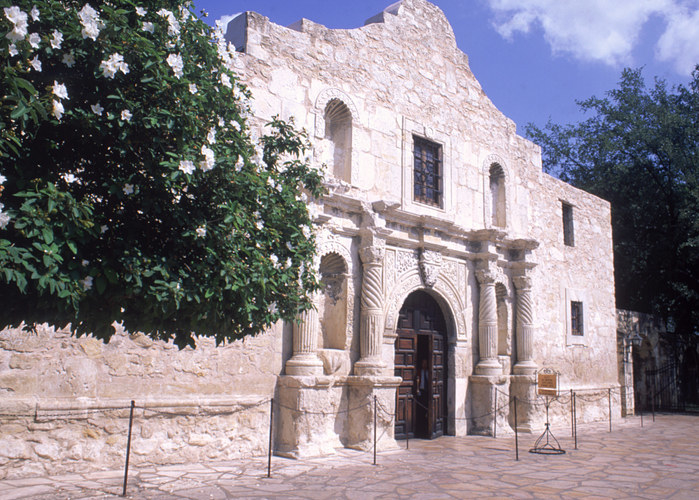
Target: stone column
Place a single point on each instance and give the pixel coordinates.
(525, 327)
(305, 360)
(487, 326)
(371, 306)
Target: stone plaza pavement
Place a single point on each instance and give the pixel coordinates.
(660, 460)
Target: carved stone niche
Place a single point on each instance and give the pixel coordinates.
(430, 264)
(332, 306)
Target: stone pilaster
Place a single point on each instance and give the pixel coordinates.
(305, 360)
(525, 364)
(487, 325)
(372, 314)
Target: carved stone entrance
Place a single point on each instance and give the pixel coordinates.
(421, 344)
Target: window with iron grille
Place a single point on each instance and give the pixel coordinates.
(427, 172)
(568, 232)
(576, 318)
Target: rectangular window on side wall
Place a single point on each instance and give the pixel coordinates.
(427, 172)
(568, 226)
(576, 318)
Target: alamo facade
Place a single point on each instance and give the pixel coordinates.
(441, 245)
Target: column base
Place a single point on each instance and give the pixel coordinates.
(307, 416)
(304, 365)
(483, 396)
(369, 367)
(489, 367)
(525, 368)
(361, 412)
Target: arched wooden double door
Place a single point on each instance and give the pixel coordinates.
(420, 359)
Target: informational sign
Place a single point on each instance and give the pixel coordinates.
(548, 384)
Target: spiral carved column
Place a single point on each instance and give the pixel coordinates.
(525, 327)
(487, 326)
(371, 320)
(305, 360)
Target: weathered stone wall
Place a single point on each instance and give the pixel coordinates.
(402, 76)
(65, 400)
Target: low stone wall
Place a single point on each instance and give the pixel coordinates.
(66, 401)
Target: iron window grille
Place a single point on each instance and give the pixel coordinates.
(576, 318)
(427, 168)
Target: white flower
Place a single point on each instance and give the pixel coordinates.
(58, 109)
(126, 115)
(235, 125)
(4, 218)
(69, 178)
(2, 179)
(114, 64)
(147, 26)
(56, 39)
(97, 109)
(104, 228)
(12, 49)
(90, 21)
(260, 225)
(85, 262)
(192, 88)
(201, 232)
(175, 62)
(306, 231)
(19, 19)
(239, 164)
(34, 40)
(36, 64)
(209, 162)
(211, 136)
(221, 121)
(68, 59)
(87, 283)
(15, 15)
(140, 11)
(226, 80)
(35, 13)
(173, 26)
(59, 90)
(128, 189)
(288, 262)
(274, 259)
(186, 166)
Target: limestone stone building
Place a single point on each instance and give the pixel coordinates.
(453, 269)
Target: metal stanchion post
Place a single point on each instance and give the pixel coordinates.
(516, 437)
(609, 395)
(128, 449)
(572, 417)
(652, 400)
(640, 412)
(575, 423)
(407, 431)
(269, 450)
(495, 412)
(374, 429)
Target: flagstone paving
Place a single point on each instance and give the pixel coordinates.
(660, 460)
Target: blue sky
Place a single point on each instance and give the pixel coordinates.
(534, 58)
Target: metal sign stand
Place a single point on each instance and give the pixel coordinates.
(547, 382)
(548, 447)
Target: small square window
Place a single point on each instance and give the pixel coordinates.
(576, 318)
(568, 227)
(427, 172)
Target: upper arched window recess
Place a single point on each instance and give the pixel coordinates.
(497, 196)
(338, 133)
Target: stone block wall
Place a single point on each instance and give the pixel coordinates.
(65, 400)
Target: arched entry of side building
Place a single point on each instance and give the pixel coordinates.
(420, 359)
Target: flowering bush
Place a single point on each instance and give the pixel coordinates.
(132, 188)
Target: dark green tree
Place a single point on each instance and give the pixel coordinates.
(132, 188)
(639, 149)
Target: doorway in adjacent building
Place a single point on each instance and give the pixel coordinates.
(420, 359)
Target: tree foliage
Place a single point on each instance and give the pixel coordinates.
(133, 189)
(639, 149)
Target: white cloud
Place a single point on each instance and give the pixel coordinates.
(224, 20)
(680, 42)
(604, 31)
